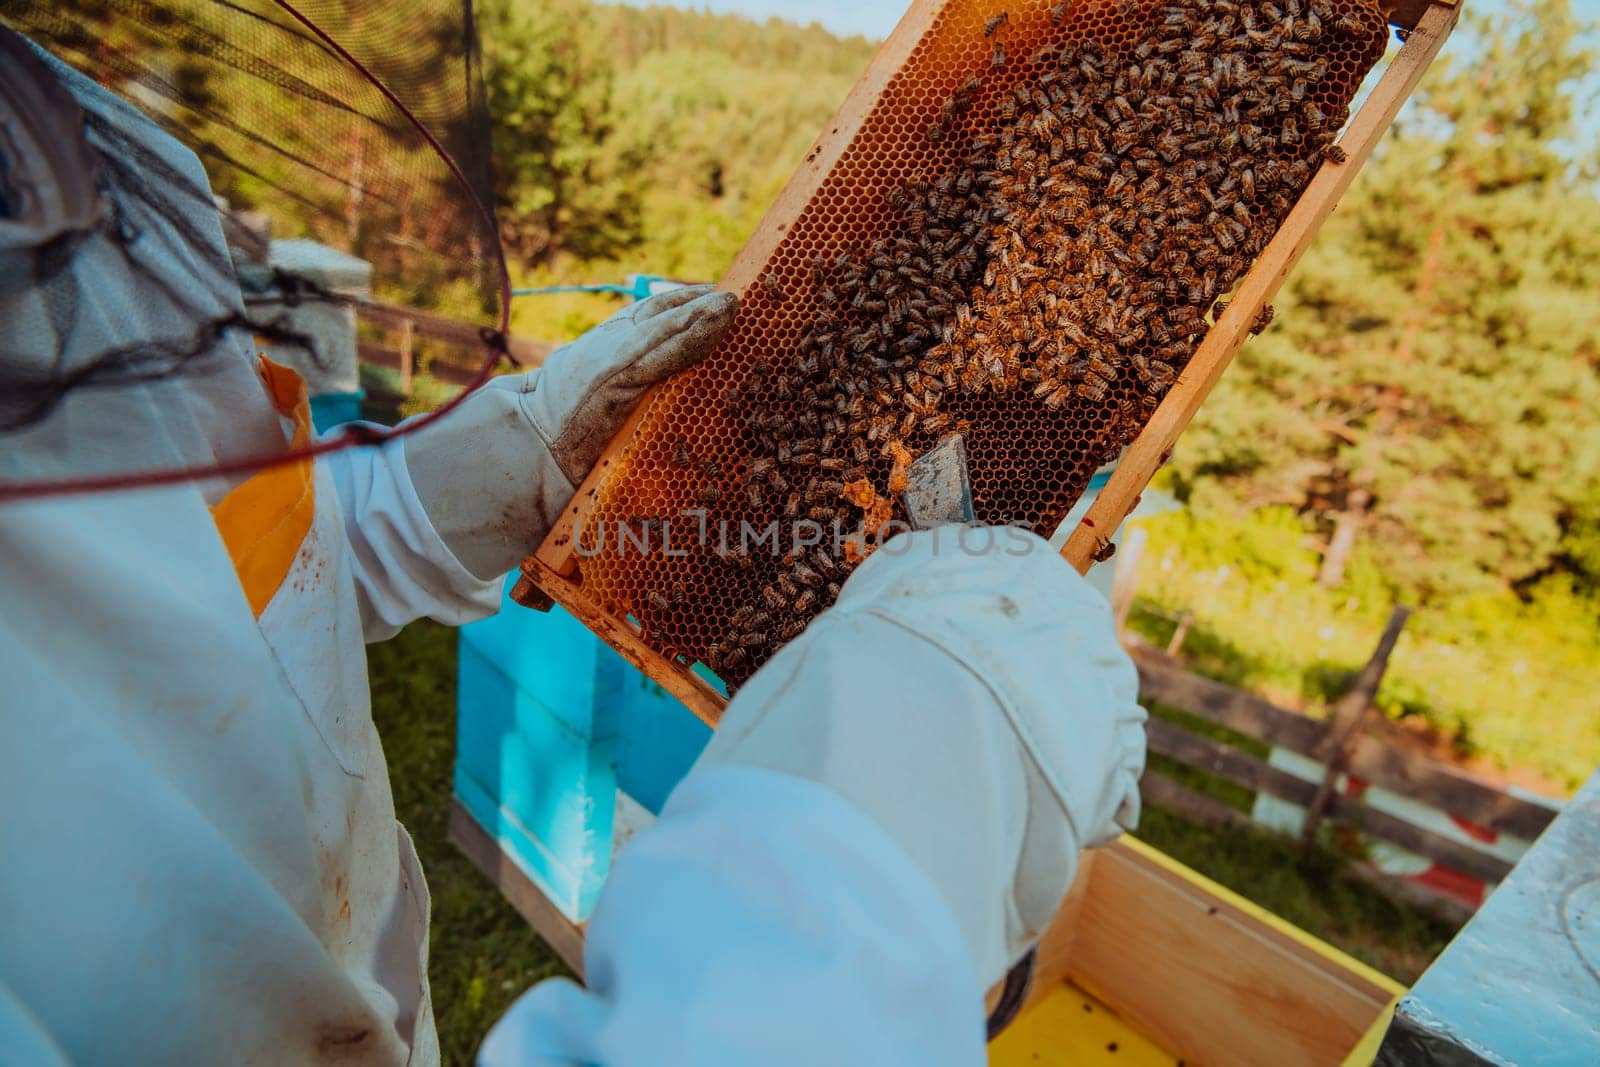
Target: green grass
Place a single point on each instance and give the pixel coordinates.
(1510, 680)
(483, 955)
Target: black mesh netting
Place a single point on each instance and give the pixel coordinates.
(358, 124)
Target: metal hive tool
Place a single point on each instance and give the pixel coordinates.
(1016, 228)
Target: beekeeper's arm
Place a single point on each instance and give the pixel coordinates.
(435, 519)
(887, 817)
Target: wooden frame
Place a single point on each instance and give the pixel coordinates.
(1152, 447)
(1206, 974)
(548, 573)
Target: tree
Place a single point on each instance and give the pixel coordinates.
(559, 187)
(1432, 392)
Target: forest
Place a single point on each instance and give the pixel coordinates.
(1420, 425)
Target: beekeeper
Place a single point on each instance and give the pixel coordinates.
(199, 862)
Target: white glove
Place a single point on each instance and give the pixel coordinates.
(975, 704)
(497, 472)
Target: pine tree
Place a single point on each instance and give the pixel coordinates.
(1432, 394)
(560, 189)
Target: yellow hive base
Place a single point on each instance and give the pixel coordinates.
(1070, 1027)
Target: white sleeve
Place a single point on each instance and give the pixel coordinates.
(24, 1041)
(403, 570)
(761, 919)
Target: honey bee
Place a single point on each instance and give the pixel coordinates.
(757, 499)
(1056, 393)
(1334, 154)
(680, 453)
(1092, 389)
(805, 575)
(791, 629)
(1263, 320)
(1059, 11)
(998, 58)
(710, 495)
(774, 599)
(657, 601)
(994, 23)
(803, 602)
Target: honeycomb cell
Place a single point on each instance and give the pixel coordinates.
(1025, 253)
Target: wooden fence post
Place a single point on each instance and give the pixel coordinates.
(407, 359)
(1125, 582)
(1345, 723)
(1185, 620)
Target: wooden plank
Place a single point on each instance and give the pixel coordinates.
(428, 324)
(1224, 761)
(696, 694)
(382, 356)
(1409, 773)
(559, 932)
(1162, 792)
(1450, 790)
(1214, 757)
(1440, 849)
(1211, 977)
(1151, 448)
(376, 355)
(1157, 790)
(1162, 679)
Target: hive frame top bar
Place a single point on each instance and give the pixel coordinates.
(551, 569)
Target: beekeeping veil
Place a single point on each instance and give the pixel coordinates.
(358, 124)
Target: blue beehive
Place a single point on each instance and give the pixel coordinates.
(551, 722)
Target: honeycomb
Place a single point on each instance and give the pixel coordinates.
(1023, 243)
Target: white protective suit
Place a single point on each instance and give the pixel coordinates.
(200, 859)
